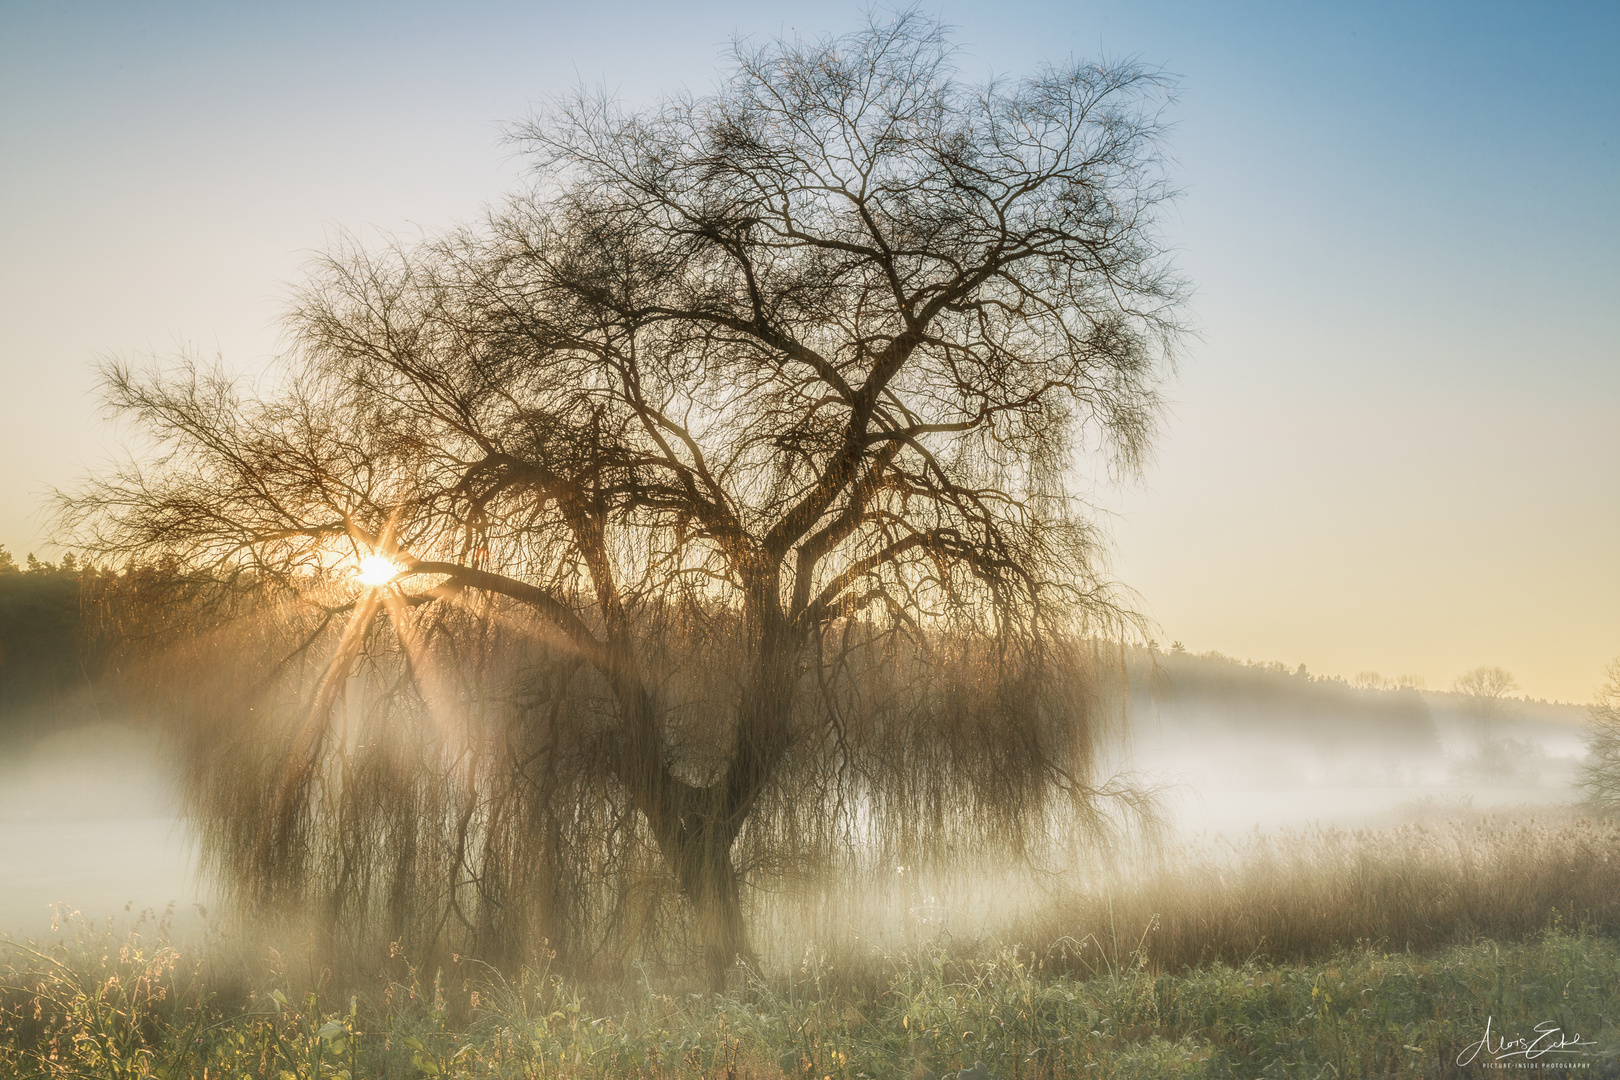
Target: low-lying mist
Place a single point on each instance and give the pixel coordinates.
(89, 814)
(89, 821)
(1242, 746)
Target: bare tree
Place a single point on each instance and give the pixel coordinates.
(1486, 684)
(1484, 691)
(1600, 773)
(744, 443)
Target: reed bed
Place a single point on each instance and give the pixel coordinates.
(1302, 895)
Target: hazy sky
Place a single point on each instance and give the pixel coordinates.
(1395, 444)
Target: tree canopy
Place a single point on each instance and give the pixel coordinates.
(722, 486)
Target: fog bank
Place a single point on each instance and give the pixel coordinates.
(1239, 746)
(89, 819)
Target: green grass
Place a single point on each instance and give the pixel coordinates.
(108, 1006)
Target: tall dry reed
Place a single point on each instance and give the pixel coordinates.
(1301, 895)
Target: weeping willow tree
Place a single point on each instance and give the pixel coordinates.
(707, 516)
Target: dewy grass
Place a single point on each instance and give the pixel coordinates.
(1361, 1014)
(1083, 1003)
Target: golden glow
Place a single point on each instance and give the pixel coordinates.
(377, 570)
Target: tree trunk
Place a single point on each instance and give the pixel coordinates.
(706, 876)
(720, 923)
(696, 827)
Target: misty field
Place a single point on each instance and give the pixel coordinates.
(667, 627)
(1318, 953)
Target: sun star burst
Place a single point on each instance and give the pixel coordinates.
(377, 570)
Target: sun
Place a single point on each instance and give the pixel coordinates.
(377, 570)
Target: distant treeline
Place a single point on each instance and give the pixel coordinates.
(67, 627)
(56, 641)
(46, 648)
(63, 626)
(1214, 693)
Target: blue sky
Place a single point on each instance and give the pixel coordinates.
(1394, 445)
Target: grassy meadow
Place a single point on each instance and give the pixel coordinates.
(1321, 953)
